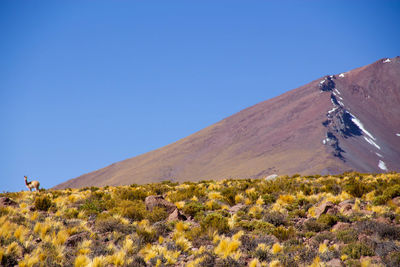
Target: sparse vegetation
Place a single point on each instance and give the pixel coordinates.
(290, 221)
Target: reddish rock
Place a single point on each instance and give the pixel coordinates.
(323, 208)
(159, 201)
(346, 208)
(236, 208)
(396, 201)
(335, 263)
(176, 215)
(346, 202)
(340, 226)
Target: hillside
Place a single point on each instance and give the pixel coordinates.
(342, 122)
(351, 220)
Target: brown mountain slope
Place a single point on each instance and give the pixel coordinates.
(331, 125)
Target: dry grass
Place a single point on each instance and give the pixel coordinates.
(277, 225)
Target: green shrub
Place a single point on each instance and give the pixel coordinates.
(157, 214)
(347, 236)
(389, 193)
(187, 193)
(42, 203)
(192, 208)
(268, 198)
(131, 194)
(146, 236)
(263, 255)
(330, 186)
(91, 206)
(380, 200)
(107, 224)
(134, 210)
(275, 218)
(356, 188)
(283, 234)
(215, 222)
(71, 213)
(393, 191)
(356, 250)
(314, 226)
(229, 194)
(328, 219)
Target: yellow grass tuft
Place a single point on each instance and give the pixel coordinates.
(128, 245)
(180, 204)
(214, 195)
(81, 261)
(322, 248)
(99, 261)
(285, 199)
(117, 259)
(316, 262)
(228, 246)
(275, 263)
(247, 201)
(254, 263)
(260, 201)
(239, 198)
(276, 248)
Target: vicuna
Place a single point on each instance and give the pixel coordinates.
(32, 184)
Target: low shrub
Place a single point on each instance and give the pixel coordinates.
(42, 203)
(357, 249)
(312, 225)
(283, 233)
(131, 194)
(110, 224)
(134, 210)
(215, 222)
(192, 208)
(157, 214)
(275, 218)
(229, 194)
(263, 255)
(268, 198)
(393, 259)
(356, 187)
(347, 236)
(328, 219)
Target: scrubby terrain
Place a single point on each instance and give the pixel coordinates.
(351, 219)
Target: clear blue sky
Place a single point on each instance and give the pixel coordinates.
(84, 84)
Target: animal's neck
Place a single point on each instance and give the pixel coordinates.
(26, 182)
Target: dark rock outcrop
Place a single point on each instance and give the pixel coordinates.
(5, 201)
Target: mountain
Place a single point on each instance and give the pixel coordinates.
(344, 122)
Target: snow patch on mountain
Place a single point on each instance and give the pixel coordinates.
(379, 155)
(372, 142)
(387, 61)
(382, 165)
(333, 109)
(361, 126)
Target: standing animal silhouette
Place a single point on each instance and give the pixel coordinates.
(32, 184)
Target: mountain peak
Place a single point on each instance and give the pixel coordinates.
(337, 123)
